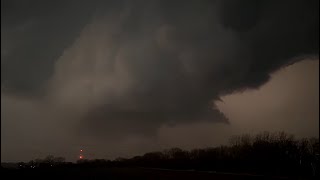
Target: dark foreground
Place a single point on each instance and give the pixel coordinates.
(125, 173)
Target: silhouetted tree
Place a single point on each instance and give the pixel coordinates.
(264, 153)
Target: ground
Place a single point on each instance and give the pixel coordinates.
(127, 173)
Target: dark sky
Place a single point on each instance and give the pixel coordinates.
(119, 78)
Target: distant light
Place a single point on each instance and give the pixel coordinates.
(81, 150)
(80, 157)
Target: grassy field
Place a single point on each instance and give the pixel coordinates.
(126, 173)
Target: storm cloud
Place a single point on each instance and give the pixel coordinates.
(119, 68)
(160, 62)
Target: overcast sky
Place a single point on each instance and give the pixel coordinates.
(120, 78)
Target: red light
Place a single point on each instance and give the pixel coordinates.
(81, 150)
(80, 157)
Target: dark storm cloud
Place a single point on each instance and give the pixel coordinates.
(34, 34)
(141, 64)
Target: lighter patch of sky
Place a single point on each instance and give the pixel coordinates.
(288, 102)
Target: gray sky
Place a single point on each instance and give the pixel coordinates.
(120, 78)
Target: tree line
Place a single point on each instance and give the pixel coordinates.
(265, 153)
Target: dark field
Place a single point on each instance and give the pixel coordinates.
(125, 173)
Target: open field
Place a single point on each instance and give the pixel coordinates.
(126, 173)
